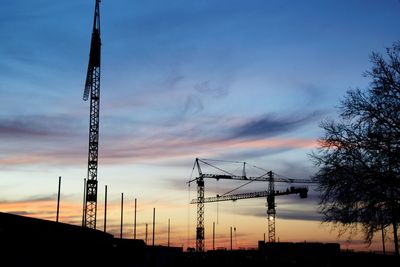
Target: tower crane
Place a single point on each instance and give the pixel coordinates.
(92, 87)
(270, 194)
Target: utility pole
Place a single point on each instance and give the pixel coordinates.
(58, 197)
(168, 231)
(84, 202)
(122, 213)
(383, 241)
(105, 210)
(234, 237)
(134, 222)
(213, 235)
(146, 233)
(231, 237)
(92, 87)
(154, 224)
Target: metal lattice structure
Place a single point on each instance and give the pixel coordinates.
(271, 193)
(302, 191)
(271, 211)
(92, 86)
(200, 216)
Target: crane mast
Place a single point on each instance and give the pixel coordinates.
(92, 87)
(200, 211)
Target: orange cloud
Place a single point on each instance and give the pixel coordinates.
(43, 209)
(271, 143)
(157, 149)
(22, 159)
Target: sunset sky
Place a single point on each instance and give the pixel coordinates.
(240, 80)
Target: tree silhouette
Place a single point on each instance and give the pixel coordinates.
(358, 157)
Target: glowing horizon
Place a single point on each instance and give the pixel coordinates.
(182, 235)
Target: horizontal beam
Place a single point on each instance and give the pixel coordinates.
(291, 190)
(263, 178)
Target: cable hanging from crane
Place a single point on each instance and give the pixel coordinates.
(224, 171)
(221, 160)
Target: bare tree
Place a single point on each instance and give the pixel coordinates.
(359, 155)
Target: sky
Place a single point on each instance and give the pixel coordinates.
(237, 80)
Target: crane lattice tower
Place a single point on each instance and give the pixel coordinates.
(92, 87)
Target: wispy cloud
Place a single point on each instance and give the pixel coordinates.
(36, 126)
(207, 88)
(303, 215)
(180, 148)
(289, 214)
(156, 143)
(192, 105)
(31, 199)
(22, 128)
(273, 125)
